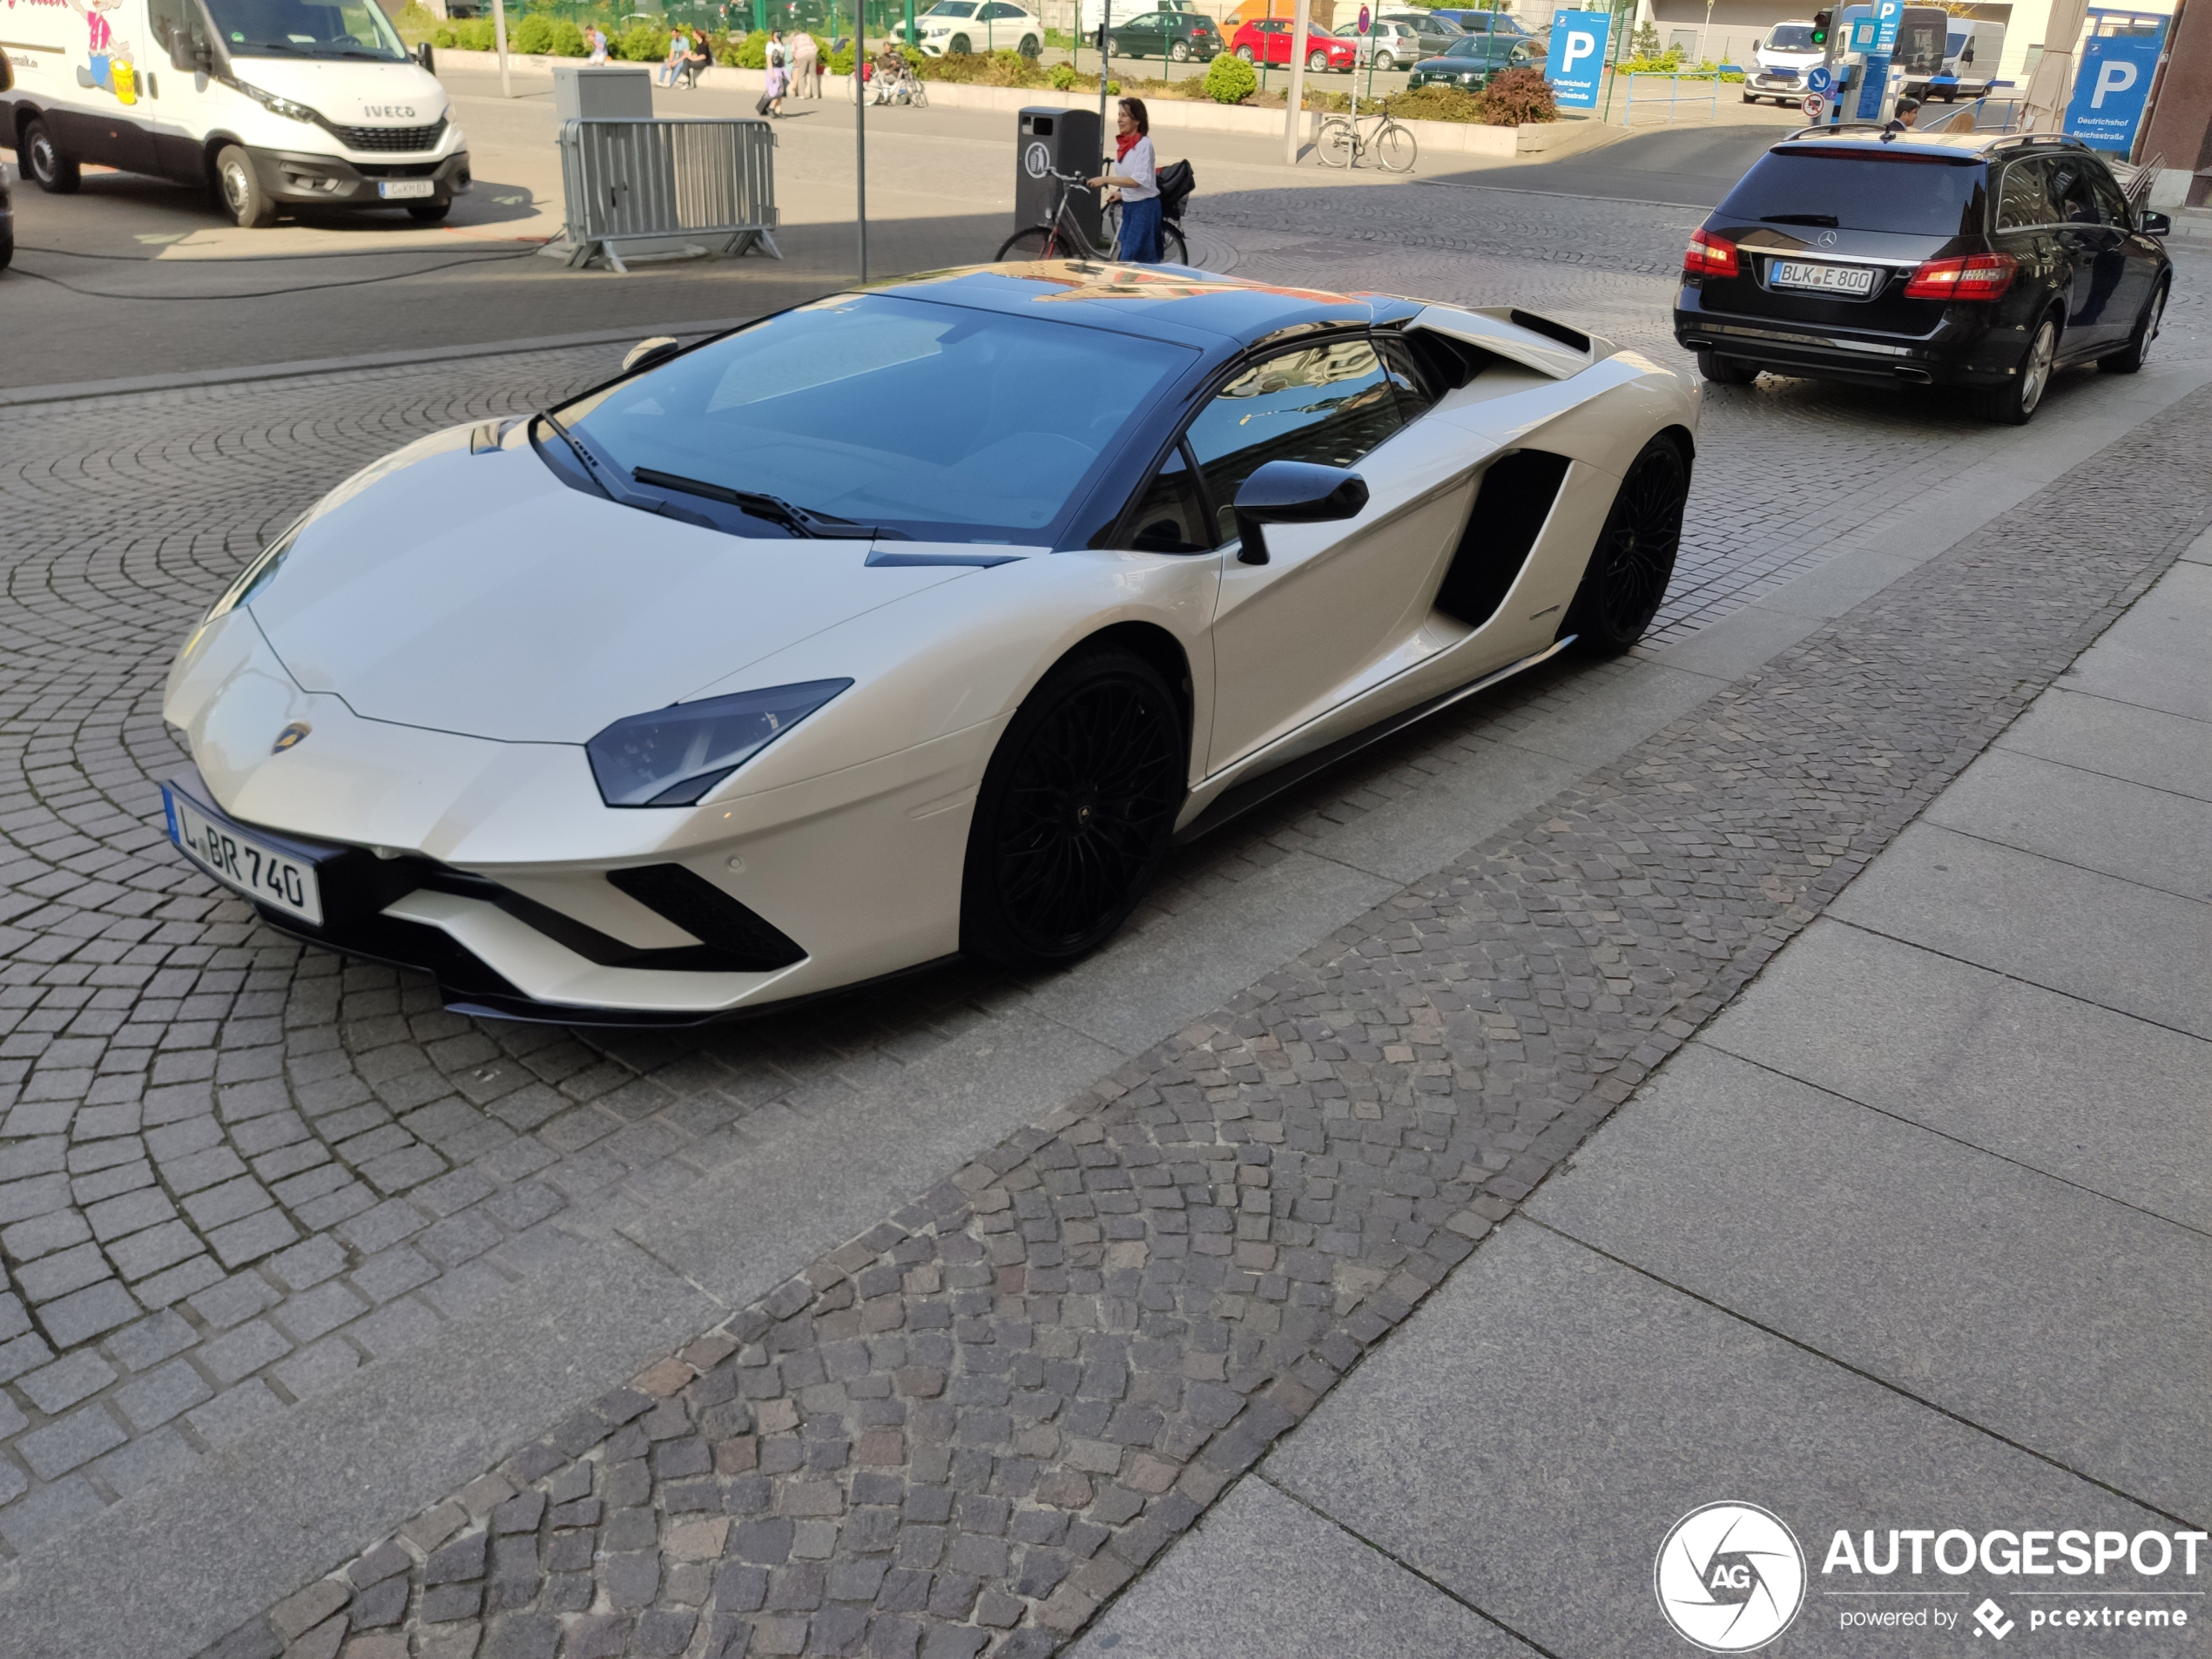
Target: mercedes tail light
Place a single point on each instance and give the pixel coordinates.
(1710, 255)
(1979, 276)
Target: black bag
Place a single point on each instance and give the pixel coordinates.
(761, 108)
(1176, 182)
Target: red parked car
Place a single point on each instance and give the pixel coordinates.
(1268, 39)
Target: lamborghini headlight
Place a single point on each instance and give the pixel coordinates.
(674, 755)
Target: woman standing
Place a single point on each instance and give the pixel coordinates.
(1136, 174)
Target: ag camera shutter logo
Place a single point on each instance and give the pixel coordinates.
(1729, 1577)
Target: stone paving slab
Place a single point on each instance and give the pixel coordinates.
(2113, 1105)
(2119, 740)
(2149, 662)
(973, 1424)
(2150, 836)
(1264, 1577)
(1528, 1438)
(2072, 1326)
(2050, 923)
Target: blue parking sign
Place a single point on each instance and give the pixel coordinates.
(1576, 62)
(1888, 14)
(2110, 89)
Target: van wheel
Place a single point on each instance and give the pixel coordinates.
(49, 170)
(430, 213)
(239, 187)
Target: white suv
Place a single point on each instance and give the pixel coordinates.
(979, 26)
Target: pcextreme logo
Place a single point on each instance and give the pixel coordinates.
(1729, 1577)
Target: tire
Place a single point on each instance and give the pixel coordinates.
(1317, 62)
(2014, 403)
(1332, 145)
(1180, 51)
(958, 44)
(918, 96)
(430, 213)
(1396, 148)
(1726, 371)
(49, 170)
(1748, 98)
(1173, 249)
(1245, 53)
(1034, 242)
(1030, 47)
(1634, 559)
(238, 187)
(7, 251)
(1386, 61)
(1075, 813)
(2136, 352)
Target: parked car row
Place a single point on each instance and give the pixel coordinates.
(1490, 40)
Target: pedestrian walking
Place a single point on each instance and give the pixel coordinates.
(778, 71)
(807, 65)
(1136, 174)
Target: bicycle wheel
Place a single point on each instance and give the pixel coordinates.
(1395, 148)
(919, 97)
(1110, 229)
(1334, 143)
(1037, 242)
(1173, 249)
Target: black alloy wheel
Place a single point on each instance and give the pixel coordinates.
(1075, 813)
(1634, 559)
(2015, 402)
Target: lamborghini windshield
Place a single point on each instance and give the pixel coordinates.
(299, 29)
(937, 420)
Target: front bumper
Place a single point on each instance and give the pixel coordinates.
(297, 176)
(1966, 349)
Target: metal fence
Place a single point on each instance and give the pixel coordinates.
(1654, 98)
(668, 181)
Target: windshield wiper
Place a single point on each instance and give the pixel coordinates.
(584, 456)
(1799, 218)
(798, 520)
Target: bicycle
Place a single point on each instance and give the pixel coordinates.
(1063, 238)
(1340, 143)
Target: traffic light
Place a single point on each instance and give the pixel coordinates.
(1820, 21)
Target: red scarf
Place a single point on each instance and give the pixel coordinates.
(1125, 142)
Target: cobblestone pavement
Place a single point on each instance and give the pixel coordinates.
(232, 1172)
(973, 1425)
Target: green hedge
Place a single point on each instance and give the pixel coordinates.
(1230, 79)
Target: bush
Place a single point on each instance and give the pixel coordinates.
(1002, 68)
(745, 51)
(1438, 103)
(1230, 79)
(533, 34)
(1517, 96)
(474, 35)
(641, 43)
(444, 37)
(568, 40)
(1063, 76)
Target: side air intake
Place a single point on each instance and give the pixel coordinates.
(1509, 510)
(740, 938)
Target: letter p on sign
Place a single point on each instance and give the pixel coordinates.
(2114, 75)
(1581, 44)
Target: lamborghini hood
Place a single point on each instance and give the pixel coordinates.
(478, 594)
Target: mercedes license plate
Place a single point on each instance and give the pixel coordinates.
(260, 872)
(393, 190)
(1855, 279)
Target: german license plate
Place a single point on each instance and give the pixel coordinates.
(1856, 279)
(393, 190)
(255, 869)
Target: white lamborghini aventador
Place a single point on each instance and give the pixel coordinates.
(910, 621)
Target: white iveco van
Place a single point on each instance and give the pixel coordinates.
(1783, 56)
(270, 103)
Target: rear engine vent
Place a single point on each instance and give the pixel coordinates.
(1550, 330)
(712, 916)
(1510, 510)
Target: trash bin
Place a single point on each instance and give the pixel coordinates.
(1062, 139)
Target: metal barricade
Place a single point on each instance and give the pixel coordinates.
(668, 181)
(1676, 106)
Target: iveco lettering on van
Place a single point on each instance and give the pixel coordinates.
(266, 102)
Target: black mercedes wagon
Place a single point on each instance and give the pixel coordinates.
(1978, 260)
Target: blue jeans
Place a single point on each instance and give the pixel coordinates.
(1140, 242)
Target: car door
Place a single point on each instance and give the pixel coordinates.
(2133, 267)
(1291, 635)
(2091, 245)
(176, 31)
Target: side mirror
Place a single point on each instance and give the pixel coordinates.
(1294, 492)
(2156, 225)
(646, 353)
(428, 57)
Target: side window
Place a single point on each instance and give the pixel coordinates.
(2110, 202)
(2024, 196)
(1329, 403)
(2076, 198)
(1170, 515)
(1414, 392)
(173, 20)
